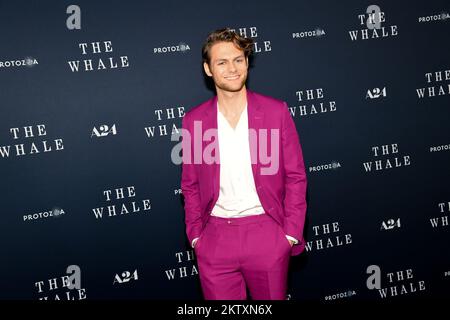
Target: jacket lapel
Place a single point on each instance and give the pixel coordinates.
(255, 123)
(210, 122)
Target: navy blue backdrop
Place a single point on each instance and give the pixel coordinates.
(92, 91)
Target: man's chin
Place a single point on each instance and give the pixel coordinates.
(235, 88)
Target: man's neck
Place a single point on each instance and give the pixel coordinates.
(232, 102)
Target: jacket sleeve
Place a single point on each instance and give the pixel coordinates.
(189, 183)
(295, 178)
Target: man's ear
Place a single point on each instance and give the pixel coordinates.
(207, 70)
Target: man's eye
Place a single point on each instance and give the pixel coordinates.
(240, 60)
(220, 63)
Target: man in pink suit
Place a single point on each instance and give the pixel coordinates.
(243, 181)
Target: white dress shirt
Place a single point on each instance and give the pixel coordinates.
(237, 193)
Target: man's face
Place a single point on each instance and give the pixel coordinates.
(228, 66)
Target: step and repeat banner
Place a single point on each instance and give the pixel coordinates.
(92, 97)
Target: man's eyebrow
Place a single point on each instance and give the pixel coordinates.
(240, 56)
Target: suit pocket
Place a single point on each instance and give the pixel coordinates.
(202, 236)
(283, 236)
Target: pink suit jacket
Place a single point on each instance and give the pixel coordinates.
(282, 194)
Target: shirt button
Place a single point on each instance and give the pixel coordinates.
(229, 221)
